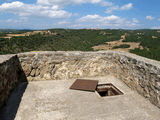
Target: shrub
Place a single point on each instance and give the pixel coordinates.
(121, 46)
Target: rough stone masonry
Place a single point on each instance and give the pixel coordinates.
(139, 73)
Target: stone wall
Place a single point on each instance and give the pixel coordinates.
(139, 73)
(11, 74)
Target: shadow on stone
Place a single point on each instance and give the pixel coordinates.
(10, 107)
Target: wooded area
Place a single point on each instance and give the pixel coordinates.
(81, 40)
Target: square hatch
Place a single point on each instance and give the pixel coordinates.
(86, 85)
(108, 90)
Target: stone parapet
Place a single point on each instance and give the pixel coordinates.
(139, 73)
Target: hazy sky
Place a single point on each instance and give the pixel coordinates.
(41, 14)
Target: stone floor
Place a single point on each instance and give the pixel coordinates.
(53, 100)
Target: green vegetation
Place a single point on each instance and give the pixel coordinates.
(149, 40)
(121, 46)
(65, 39)
(2, 34)
(82, 39)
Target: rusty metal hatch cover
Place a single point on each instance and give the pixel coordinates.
(86, 85)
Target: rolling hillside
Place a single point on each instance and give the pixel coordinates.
(141, 42)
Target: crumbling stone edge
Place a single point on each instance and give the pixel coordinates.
(139, 73)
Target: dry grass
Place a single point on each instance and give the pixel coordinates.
(28, 34)
(110, 45)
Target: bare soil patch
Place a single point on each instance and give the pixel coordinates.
(29, 33)
(110, 45)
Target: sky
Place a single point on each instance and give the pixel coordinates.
(78, 14)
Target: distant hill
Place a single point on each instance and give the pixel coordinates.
(147, 42)
(15, 30)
